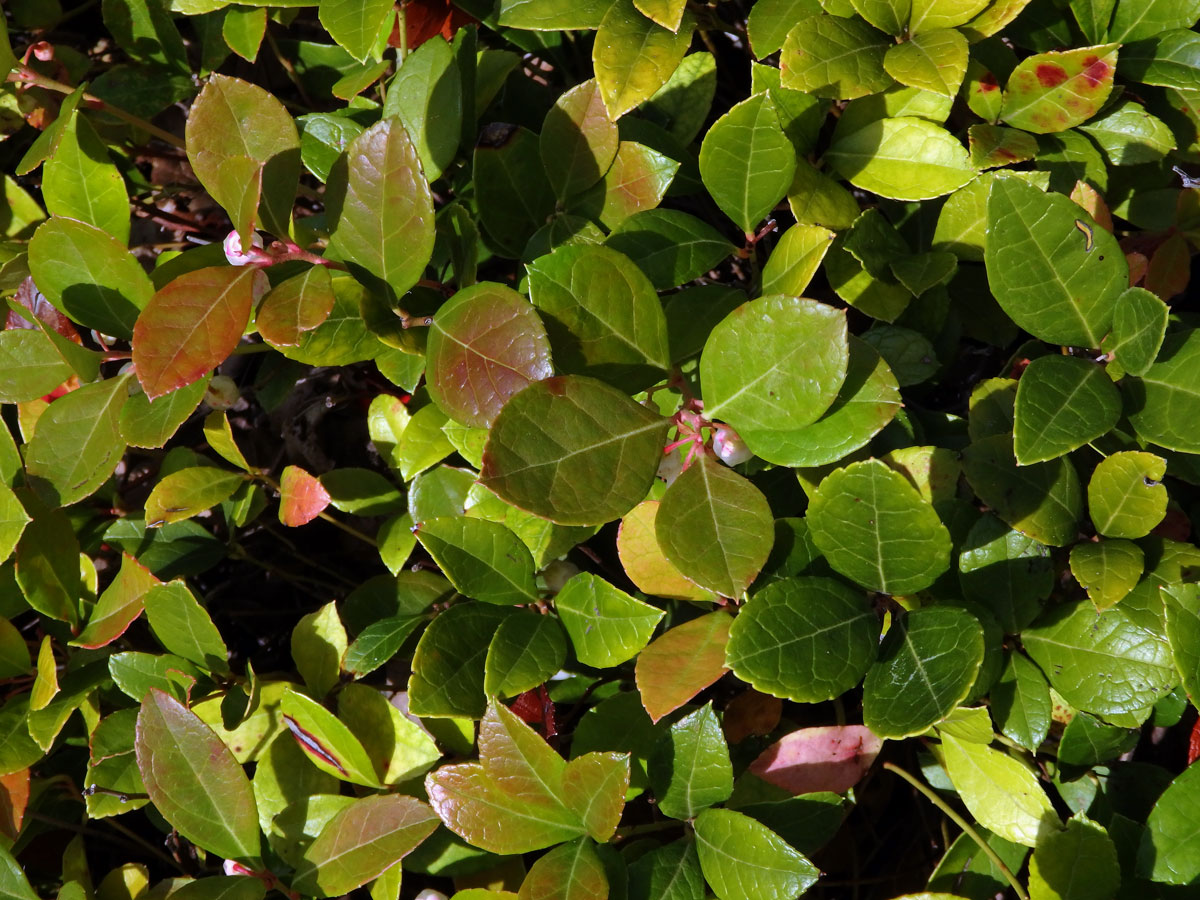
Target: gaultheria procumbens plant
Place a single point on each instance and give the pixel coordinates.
(583, 449)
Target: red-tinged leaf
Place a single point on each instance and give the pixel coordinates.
(1170, 268)
(362, 842)
(14, 798)
(682, 663)
(241, 140)
(193, 779)
(295, 306)
(1093, 202)
(43, 310)
(380, 208)
(1194, 743)
(118, 606)
(425, 19)
(594, 787)
(302, 497)
(1138, 264)
(750, 713)
(191, 326)
(486, 344)
(573, 871)
(828, 758)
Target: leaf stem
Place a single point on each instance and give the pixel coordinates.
(25, 75)
(964, 825)
(650, 828)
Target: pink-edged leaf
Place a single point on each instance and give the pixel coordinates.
(828, 758)
(682, 663)
(191, 326)
(295, 306)
(487, 343)
(302, 497)
(573, 871)
(118, 606)
(193, 779)
(362, 842)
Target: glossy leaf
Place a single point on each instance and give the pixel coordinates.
(578, 140)
(606, 625)
(1108, 570)
(1138, 328)
(486, 344)
(644, 561)
(354, 25)
(184, 627)
(194, 781)
(191, 326)
(187, 492)
(151, 423)
(32, 366)
(1054, 91)
(327, 742)
(1021, 703)
(795, 259)
(927, 663)
(1181, 612)
(295, 306)
(682, 662)
(594, 786)
(514, 195)
(905, 158)
(1160, 401)
(637, 181)
(868, 505)
(427, 94)
(1062, 403)
(81, 182)
(482, 559)
(301, 497)
(633, 56)
(573, 450)
(525, 652)
(931, 60)
(835, 57)
(744, 860)
(1005, 571)
(669, 246)
(572, 871)
(318, 645)
(448, 666)
(690, 769)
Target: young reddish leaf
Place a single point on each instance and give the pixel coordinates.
(295, 306)
(14, 798)
(380, 209)
(682, 663)
(1055, 91)
(425, 19)
(828, 758)
(301, 497)
(118, 606)
(486, 344)
(193, 779)
(240, 138)
(573, 871)
(1170, 268)
(362, 842)
(594, 786)
(636, 181)
(190, 326)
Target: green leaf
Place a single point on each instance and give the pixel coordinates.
(747, 162)
(1005, 571)
(1021, 703)
(363, 492)
(932, 61)
(240, 141)
(14, 654)
(448, 665)
(682, 662)
(194, 781)
(886, 15)
(13, 883)
(866, 401)
(644, 562)
(671, 872)
(1054, 91)
(1042, 501)
(318, 644)
(380, 208)
(190, 326)
(927, 663)
(511, 800)
(771, 20)
(578, 140)
(795, 259)
(834, 57)
(118, 606)
(327, 742)
(1161, 402)
(427, 95)
(482, 559)
(1101, 662)
(667, 13)
(594, 786)
(299, 304)
(574, 451)
(1181, 609)
(905, 158)
(81, 182)
(690, 769)
(361, 842)
(602, 314)
(1001, 793)
(183, 627)
(682, 105)
(636, 182)
(868, 505)
(715, 527)
(1134, 21)
(243, 31)
(774, 364)
(607, 627)
(573, 871)
(355, 25)
(1138, 328)
(525, 651)
(669, 246)
(89, 275)
(780, 640)
(633, 57)
(930, 14)
(1063, 402)
(1170, 847)
(378, 642)
(555, 15)
(47, 561)
(1126, 497)
(1107, 570)
(993, 146)
(30, 365)
(1051, 268)
(188, 492)
(1129, 135)
(78, 442)
(151, 423)
(1080, 862)
(511, 188)
(237, 887)
(744, 860)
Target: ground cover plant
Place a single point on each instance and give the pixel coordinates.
(591, 449)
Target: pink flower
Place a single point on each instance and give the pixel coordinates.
(234, 252)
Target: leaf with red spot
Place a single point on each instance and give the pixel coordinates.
(191, 326)
(302, 497)
(828, 758)
(1054, 91)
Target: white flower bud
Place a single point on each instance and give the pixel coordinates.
(559, 573)
(729, 446)
(670, 466)
(233, 249)
(222, 392)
